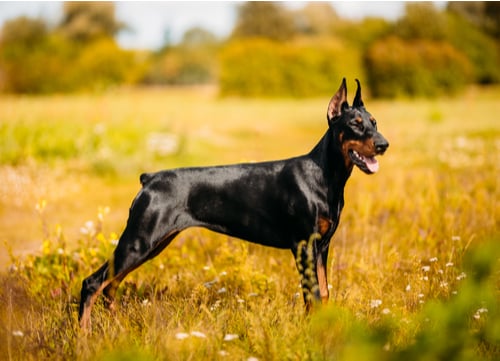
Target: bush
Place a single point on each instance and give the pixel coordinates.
(183, 65)
(102, 64)
(259, 67)
(415, 68)
(480, 49)
(35, 68)
(35, 60)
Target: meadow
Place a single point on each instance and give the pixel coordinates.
(413, 267)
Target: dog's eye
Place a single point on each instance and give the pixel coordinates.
(358, 125)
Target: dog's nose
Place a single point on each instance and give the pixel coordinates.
(381, 147)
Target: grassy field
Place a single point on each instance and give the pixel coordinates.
(413, 267)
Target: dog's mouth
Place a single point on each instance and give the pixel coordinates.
(369, 165)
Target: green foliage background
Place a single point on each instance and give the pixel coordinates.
(256, 67)
(415, 68)
(272, 51)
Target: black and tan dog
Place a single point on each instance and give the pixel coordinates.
(279, 204)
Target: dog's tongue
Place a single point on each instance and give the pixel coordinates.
(372, 164)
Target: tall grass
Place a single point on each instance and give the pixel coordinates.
(413, 268)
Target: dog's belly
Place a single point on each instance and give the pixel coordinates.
(261, 236)
(234, 218)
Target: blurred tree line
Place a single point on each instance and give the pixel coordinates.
(272, 51)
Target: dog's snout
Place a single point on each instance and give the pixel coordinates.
(381, 146)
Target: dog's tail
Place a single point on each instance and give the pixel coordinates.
(145, 178)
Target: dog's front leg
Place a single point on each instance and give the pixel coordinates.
(321, 272)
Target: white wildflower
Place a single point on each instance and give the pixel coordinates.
(209, 284)
(215, 306)
(477, 315)
(386, 311)
(375, 303)
(17, 333)
(88, 228)
(181, 335)
(449, 264)
(433, 259)
(461, 276)
(426, 268)
(408, 288)
(222, 290)
(198, 334)
(230, 337)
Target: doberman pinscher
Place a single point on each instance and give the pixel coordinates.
(281, 204)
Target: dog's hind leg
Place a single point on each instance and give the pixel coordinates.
(91, 287)
(121, 271)
(128, 255)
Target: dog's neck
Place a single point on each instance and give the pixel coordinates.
(328, 155)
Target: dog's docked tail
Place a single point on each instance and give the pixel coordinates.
(145, 178)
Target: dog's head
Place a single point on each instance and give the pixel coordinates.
(355, 130)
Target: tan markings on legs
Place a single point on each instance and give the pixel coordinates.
(324, 225)
(113, 280)
(322, 281)
(110, 292)
(85, 320)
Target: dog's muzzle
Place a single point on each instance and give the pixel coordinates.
(381, 144)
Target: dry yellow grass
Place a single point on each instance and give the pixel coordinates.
(397, 256)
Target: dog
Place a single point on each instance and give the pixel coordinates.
(290, 204)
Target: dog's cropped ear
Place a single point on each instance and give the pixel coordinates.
(358, 102)
(337, 103)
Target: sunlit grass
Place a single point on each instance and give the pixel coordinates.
(411, 269)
